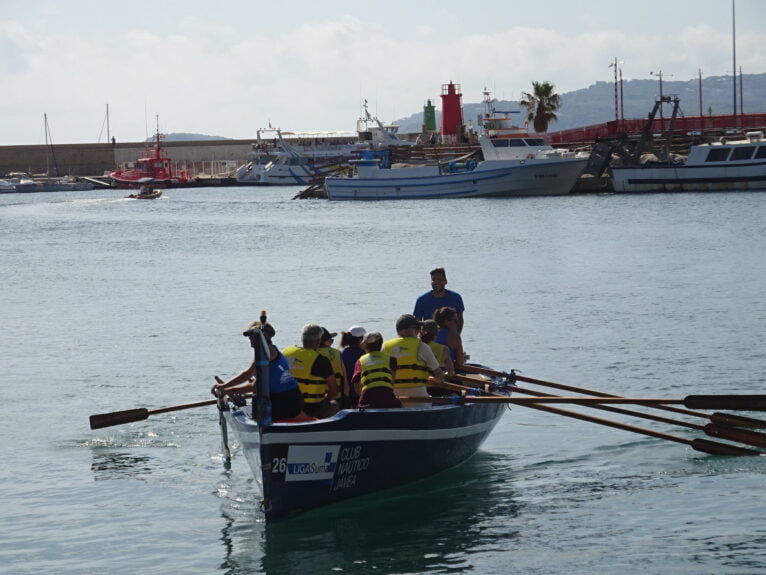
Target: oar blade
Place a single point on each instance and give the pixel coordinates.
(736, 420)
(734, 434)
(735, 402)
(118, 418)
(715, 448)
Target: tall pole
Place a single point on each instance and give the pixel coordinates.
(622, 107)
(662, 117)
(700, 90)
(616, 116)
(734, 56)
(108, 138)
(741, 96)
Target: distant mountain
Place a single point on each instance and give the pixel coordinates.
(183, 136)
(596, 103)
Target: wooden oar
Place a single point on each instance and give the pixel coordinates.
(702, 445)
(717, 418)
(753, 438)
(130, 415)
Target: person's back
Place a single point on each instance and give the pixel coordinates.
(300, 361)
(376, 376)
(411, 372)
(351, 351)
(339, 370)
(314, 373)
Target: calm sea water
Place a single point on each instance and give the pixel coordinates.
(111, 304)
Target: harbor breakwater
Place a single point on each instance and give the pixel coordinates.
(203, 157)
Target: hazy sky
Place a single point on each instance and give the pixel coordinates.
(230, 67)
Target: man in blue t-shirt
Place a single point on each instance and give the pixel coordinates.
(429, 302)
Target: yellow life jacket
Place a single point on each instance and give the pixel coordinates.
(376, 370)
(337, 366)
(438, 350)
(300, 360)
(410, 371)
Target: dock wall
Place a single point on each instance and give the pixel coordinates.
(207, 157)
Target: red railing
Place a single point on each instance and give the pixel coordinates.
(686, 125)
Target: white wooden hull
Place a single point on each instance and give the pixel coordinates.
(495, 178)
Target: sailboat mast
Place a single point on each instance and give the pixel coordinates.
(47, 148)
(108, 135)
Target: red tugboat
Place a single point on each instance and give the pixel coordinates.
(154, 166)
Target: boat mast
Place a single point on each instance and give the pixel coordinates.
(49, 149)
(734, 57)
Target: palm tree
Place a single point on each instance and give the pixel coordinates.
(541, 105)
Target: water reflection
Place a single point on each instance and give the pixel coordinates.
(116, 465)
(433, 526)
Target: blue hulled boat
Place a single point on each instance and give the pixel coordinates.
(305, 465)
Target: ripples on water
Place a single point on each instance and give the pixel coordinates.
(111, 304)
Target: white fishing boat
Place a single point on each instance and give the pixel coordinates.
(296, 158)
(290, 158)
(513, 163)
(711, 167)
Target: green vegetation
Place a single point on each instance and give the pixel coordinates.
(541, 105)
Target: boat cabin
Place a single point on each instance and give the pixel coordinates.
(749, 150)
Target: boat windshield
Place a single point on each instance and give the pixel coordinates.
(536, 142)
(761, 153)
(508, 142)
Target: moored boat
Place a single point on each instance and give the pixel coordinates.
(712, 167)
(155, 165)
(277, 161)
(513, 163)
(290, 158)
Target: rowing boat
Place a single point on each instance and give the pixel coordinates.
(307, 464)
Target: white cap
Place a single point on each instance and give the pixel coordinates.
(357, 331)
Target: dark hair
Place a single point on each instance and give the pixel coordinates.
(439, 271)
(444, 314)
(348, 340)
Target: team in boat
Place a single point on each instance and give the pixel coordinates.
(314, 380)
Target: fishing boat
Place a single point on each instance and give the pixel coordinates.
(297, 158)
(155, 165)
(710, 167)
(513, 162)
